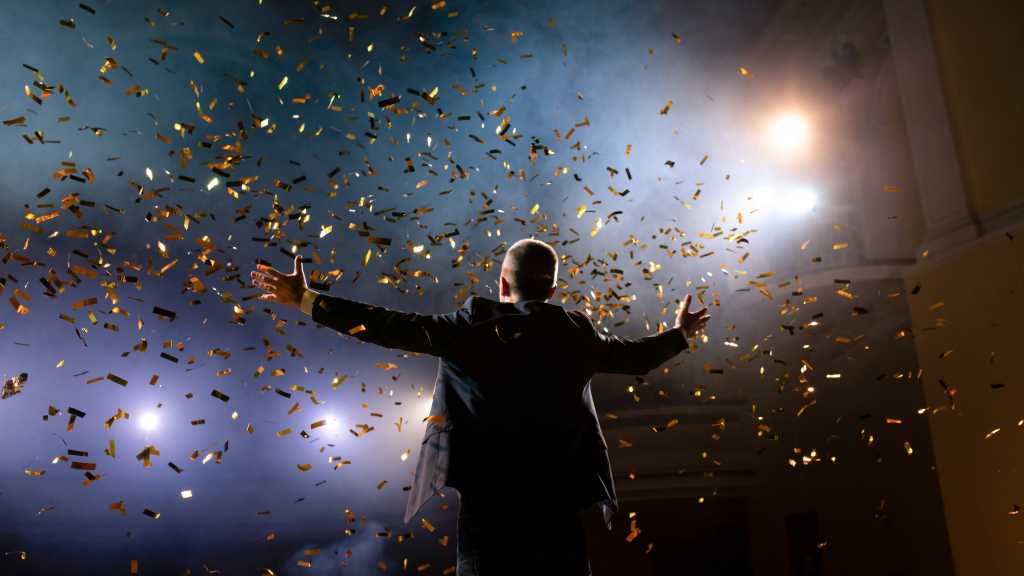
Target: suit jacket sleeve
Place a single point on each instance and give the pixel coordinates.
(426, 334)
(615, 355)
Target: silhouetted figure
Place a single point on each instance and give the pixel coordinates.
(512, 425)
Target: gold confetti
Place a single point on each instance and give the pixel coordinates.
(13, 385)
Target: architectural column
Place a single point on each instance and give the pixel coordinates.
(937, 168)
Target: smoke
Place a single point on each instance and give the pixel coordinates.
(356, 555)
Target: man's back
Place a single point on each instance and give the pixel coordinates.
(512, 424)
(520, 376)
(512, 399)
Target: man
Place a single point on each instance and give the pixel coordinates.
(512, 425)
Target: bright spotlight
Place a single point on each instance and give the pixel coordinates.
(333, 423)
(762, 198)
(149, 421)
(790, 133)
(801, 201)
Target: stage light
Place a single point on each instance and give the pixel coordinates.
(801, 201)
(789, 200)
(789, 133)
(333, 423)
(762, 198)
(149, 421)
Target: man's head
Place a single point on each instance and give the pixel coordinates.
(528, 272)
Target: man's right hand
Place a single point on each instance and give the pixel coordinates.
(691, 323)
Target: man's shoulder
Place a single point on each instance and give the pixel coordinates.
(475, 300)
(475, 304)
(580, 319)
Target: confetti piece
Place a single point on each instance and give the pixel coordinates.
(14, 385)
(164, 313)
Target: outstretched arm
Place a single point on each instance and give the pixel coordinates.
(624, 356)
(389, 328)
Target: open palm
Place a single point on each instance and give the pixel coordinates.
(691, 323)
(279, 287)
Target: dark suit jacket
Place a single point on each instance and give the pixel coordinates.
(512, 409)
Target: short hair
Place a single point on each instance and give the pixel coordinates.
(532, 269)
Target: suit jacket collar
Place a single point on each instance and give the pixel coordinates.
(483, 310)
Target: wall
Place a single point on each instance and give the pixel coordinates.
(968, 307)
(978, 46)
(967, 318)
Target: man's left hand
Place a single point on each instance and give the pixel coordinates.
(279, 287)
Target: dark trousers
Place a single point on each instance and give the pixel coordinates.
(512, 536)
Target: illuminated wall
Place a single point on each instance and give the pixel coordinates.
(968, 308)
(966, 319)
